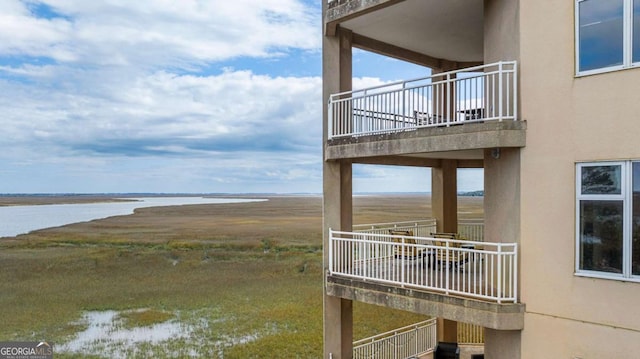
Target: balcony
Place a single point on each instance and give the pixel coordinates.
(454, 115)
(476, 94)
(472, 269)
(472, 281)
(412, 341)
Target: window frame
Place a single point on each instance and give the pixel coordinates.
(626, 196)
(627, 41)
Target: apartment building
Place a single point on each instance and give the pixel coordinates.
(545, 97)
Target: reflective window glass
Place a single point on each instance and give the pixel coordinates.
(636, 31)
(635, 221)
(600, 34)
(601, 180)
(601, 236)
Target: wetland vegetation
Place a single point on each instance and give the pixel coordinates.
(239, 280)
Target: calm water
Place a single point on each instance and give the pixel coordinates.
(15, 220)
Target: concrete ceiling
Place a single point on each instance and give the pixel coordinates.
(445, 29)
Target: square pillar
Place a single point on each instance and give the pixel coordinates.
(338, 207)
(502, 344)
(502, 195)
(337, 193)
(444, 196)
(444, 207)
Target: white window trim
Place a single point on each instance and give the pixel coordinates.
(627, 42)
(626, 195)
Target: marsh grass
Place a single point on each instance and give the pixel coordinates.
(144, 317)
(246, 279)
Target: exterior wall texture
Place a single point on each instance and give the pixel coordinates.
(569, 119)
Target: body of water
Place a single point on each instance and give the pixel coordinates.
(15, 220)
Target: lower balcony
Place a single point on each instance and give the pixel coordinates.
(418, 340)
(436, 274)
(481, 270)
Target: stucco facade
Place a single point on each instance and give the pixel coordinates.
(570, 119)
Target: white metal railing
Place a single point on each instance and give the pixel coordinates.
(481, 93)
(470, 334)
(482, 270)
(469, 229)
(420, 228)
(408, 342)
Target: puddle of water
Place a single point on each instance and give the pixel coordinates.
(106, 336)
(105, 333)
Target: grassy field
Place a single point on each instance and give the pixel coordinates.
(241, 280)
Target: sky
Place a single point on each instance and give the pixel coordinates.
(189, 96)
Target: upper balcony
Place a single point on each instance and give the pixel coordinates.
(464, 110)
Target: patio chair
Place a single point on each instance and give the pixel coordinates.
(423, 118)
(456, 259)
(405, 252)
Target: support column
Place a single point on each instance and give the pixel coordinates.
(444, 206)
(502, 344)
(443, 97)
(502, 195)
(502, 224)
(444, 196)
(447, 330)
(338, 312)
(337, 190)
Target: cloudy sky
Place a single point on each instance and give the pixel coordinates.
(173, 96)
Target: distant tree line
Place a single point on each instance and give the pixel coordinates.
(472, 194)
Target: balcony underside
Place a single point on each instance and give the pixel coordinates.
(457, 142)
(403, 21)
(485, 314)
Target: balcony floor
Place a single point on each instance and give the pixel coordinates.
(437, 141)
(508, 316)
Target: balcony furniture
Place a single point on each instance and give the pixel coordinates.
(409, 252)
(447, 254)
(422, 118)
(473, 113)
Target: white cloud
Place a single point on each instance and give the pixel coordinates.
(23, 34)
(166, 112)
(96, 96)
(156, 32)
(120, 95)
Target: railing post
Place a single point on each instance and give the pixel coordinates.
(330, 251)
(515, 91)
(330, 119)
(364, 255)
(500, 274)
(500, 86)
(415, 335)
(446, 275)
(515, 272)
(395, 345)
(402, 264)
(448, 96)
(403, 104)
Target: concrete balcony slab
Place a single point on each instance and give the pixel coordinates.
(497, 316)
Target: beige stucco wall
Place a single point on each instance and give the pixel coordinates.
(569, 119)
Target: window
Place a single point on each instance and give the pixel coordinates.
(608, 219)
(607, 35)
